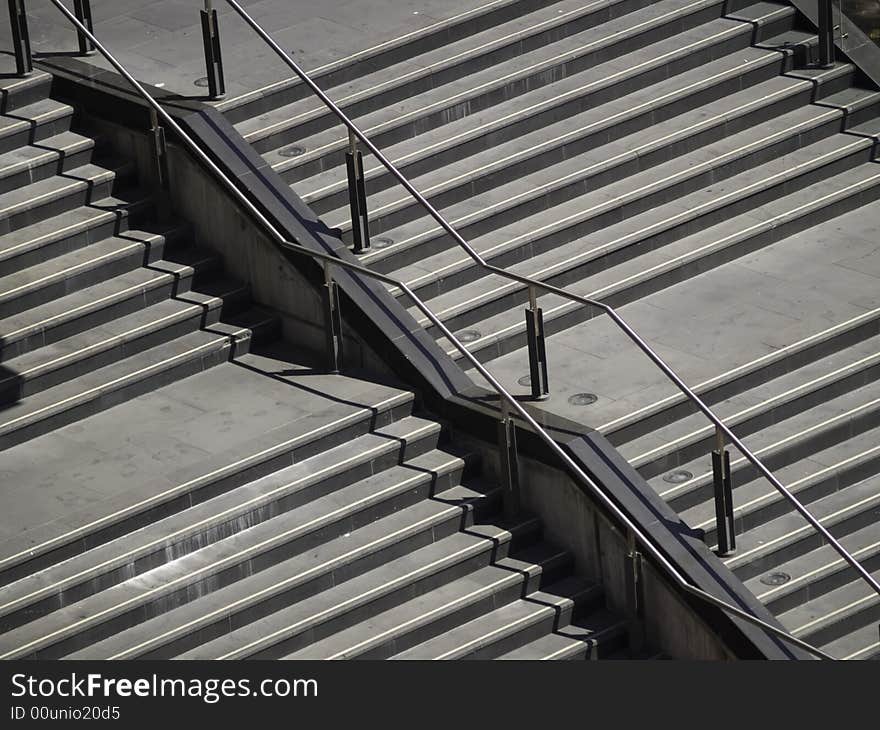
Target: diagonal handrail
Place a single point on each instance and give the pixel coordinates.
(535, 284)
(508, 401)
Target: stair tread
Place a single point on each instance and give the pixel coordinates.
(251, 496)
(774, 535)
(805, 569)
(582, 635)
(660, 217)
(27, 196)
(36, 113)
(558, 133)
(483, 630)
(583, 166)
(424, 64)
(863, 643)
(817, 613)
(379, 628)
(497, 325)
(322, 560)
(47, 151)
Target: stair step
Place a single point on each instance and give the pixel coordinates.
(508, 627)
(863, 643)
(435, 612)
(835, 614)
(82, 268)
(100, 346)
(33, 123)
(668, 265)
(53, 156)
(103, 388)
(99, 304)
(788, 537)
(171, 629)
(207, 455)
(362, 616)
(819, 571)
(213, 519)
(517, 112)
(762, 405)
(53, 196)
(596, 636)
(435, 67)
(17, 92)
(73, 229)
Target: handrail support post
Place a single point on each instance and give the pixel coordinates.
(537, 348)
(635, 598)
(21, 39)
(83, 11)
(357, 195)
(723, 485)
(333, 320)
(213, 52)
(509, 462)
(159, 153)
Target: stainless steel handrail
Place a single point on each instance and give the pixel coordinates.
(504, 395)
(550, 289)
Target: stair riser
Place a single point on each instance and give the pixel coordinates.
(840, 577)
(80, 238)
(79, 196)
(36, 131)
(554, 323)
(141, 561)
(490, 554)
(762, 375)
(88, 362)
(144, 560)
(802, 448)
(865, 616)
(22, 92)
(461, 68)
(530, 248)
(37, 294)
(762, 420)
(548, 74)
(811, 540)
(63, 328)
(833, 483)
(589, 182)
(325, 161)
(205, 489)
(123, 392)
(345, 572)
(442, 36)
(571, 146)
(45, 170)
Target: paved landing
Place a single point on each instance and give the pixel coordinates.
(712, 323)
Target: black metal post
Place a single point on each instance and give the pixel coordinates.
(723, 499)
(21, 40)
(509, 463)
(826, 34)
(159, 153)
(213, 52)
(333, 321)
(357, 196)
(537, 348)
(83, 11)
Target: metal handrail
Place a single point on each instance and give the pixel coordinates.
(550, 289)
(508, 401)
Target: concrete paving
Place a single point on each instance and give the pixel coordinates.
(160, 41)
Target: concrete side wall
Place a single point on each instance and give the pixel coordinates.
(219, 225)
(572, 520)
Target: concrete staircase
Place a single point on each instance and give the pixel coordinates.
(169, 492)
(649, 154)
